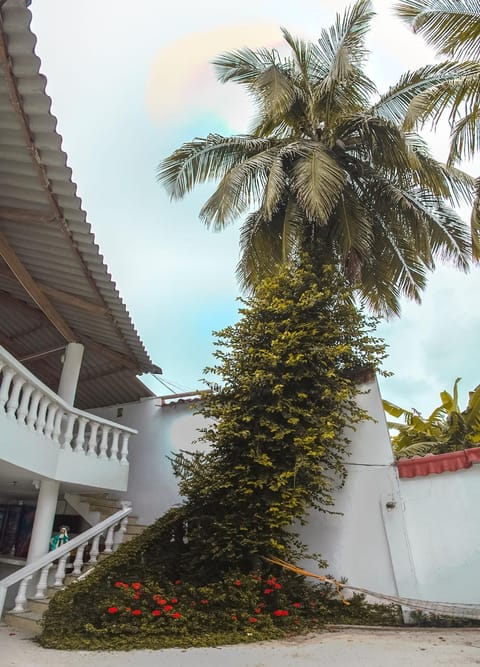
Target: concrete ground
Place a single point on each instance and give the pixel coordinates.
(345, 647)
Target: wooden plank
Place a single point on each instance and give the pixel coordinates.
(8, 214)
(34, 291)
(62, 296)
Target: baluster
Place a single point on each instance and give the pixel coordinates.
(114, 447)
(5, 386)
(23, 407)
(33, 409)
(57, 426)
(94, 550)
(13, 401)
(92, 441)
(120, 533)
(67, 438)
(42, 582)
(109, 541)
(21, 598)
(104, 442)
(52, 411)
(124, 449)
(78, 562)
(82, 422)
(42, 414)
(60, 573)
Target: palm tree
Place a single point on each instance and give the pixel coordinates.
(327, 171)
(452, 28)
(447, 429)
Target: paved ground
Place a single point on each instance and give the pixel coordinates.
(342, 648)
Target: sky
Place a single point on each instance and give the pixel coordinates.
(132, 81)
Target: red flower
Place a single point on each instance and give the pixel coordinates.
(119, 584)
(156, 612)
(267, 591)
(253, 619)
(136, 586)
(168, 607)
(234, 618)
(162, 601)
(178, 582)
(137, 612)
(280, 612)
(204, 601)
(176, 615)
(271, 581)
(136, 596)
(277, 586)
(237, 582)
(258, 611)
(297, 605)
(113, 610)
(128, 609)
(174, 600)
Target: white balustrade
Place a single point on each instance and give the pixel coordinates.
(35, 407)
(63, 554)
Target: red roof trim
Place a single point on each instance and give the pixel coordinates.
(438, 463)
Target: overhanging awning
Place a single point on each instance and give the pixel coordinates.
(54, 285)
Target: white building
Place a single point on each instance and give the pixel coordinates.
(71, 403)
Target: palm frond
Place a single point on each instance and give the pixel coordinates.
(452, 27)
(395, 103)
(242, 188)
(342, 49)
(465, 137)
(475, 222)
(202, 160)
(317, 181)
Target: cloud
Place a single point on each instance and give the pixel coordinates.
(182, 81)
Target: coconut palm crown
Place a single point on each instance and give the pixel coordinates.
(327, 169)
(452, 28)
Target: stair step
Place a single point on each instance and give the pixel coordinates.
(135, 529)
(106, 503)
(27, 621)
(38, 605)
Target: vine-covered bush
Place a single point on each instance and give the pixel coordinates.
(280, 411)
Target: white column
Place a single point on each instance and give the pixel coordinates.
(44, 516)
(48, 495)
(71, 370)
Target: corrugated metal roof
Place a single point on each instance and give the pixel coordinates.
(59, 253)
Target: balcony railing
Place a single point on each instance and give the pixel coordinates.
(38, 411)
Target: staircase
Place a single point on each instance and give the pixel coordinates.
(96, 507)
(114, 524)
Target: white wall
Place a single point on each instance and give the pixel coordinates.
(355, 542)
(162, 430)
(442, 518)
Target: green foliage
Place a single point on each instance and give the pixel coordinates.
(328, 168)
(447, 429)
(240, 608)
(280, 420)
(279, 425)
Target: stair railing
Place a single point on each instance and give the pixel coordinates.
(106, 528)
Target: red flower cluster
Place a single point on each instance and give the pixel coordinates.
(252, 620)
(237, 582)
(137, 612)
(176, 615)
(136, 586)
(113, 610)
(174, 600)
(297, 605)
(204, 601)
(120, 584)
(178, 582)
(156, 612)
(280, 612)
